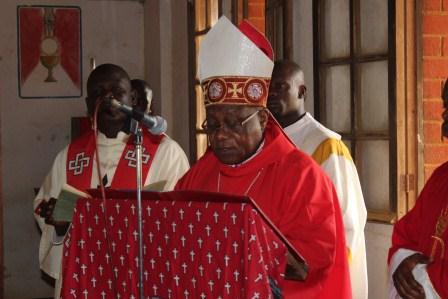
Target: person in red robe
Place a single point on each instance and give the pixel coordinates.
(249, 154)
(418, 258)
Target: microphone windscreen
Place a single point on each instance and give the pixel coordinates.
(160, 126)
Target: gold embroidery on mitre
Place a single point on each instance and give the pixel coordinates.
(236, 90)
(442, 224)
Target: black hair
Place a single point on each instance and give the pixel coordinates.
(104, 70)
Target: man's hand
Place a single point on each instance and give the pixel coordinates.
(46, 212)
(407, 287)
(295, 270)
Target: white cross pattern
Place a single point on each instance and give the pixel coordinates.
(77, 165)
(187, 235)
(131, 156)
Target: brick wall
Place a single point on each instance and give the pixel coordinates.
(435, 72)
(256, 14)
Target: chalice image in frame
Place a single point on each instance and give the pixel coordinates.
(49, 46)
(49, 56)
(49, 51)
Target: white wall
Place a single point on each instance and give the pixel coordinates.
(378, 241)
(378, 236)
(34, 130)
(166, 64)
(302, 24)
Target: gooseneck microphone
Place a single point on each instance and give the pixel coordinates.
(155, 124)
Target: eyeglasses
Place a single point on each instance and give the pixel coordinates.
(233, 126)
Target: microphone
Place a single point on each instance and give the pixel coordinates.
(156, 124)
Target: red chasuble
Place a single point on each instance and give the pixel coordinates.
(298, 197)
(417, 229)
(80, 157)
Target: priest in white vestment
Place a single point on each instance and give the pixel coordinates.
(164, 161)
(286, 102)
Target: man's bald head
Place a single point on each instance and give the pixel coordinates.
(287, 92)
(291, 70)
(105, 72)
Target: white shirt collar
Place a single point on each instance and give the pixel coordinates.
(122, 137)
(260, 147)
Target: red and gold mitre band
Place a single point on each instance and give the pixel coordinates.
(251, 91)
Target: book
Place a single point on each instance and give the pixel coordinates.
(66, 202)
(156, 186)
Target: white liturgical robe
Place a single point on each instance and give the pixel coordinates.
(327, 149)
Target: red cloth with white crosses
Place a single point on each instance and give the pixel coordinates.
(220, 248)
(81, 153)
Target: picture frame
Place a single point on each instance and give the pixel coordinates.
(49, 51)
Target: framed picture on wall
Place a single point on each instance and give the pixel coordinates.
(49, 51)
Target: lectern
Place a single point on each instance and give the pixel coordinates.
(196, 245)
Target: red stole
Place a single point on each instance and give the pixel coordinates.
(81, 153)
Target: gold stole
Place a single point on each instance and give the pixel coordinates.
(442, 224)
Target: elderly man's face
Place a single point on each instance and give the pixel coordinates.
(234, 131)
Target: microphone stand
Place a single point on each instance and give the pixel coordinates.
(138, 141)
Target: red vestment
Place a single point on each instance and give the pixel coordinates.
(300, 200)
(415, 229)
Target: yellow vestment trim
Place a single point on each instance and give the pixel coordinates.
(328, 147)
